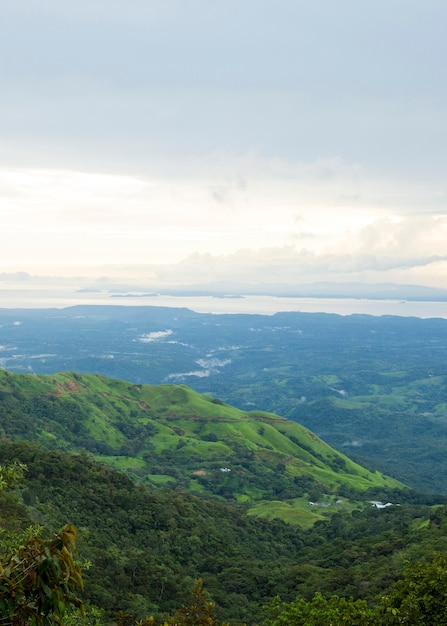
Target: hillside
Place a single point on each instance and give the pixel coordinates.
(373, 387)
(171, 436)
(145, 547)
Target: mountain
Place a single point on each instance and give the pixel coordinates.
(142, 548)
(203, 474)
(373, 387)
(170, 435)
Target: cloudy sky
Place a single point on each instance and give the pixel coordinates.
(213, 140)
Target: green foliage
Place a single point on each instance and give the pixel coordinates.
(11, 475)
(420, 597)
(373, 387)
(92, 616)
(321, 612)
(199, 611)
(173, 436)
(41, 580)
(153, 544)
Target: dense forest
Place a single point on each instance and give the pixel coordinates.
(126, 504)
(152, 546)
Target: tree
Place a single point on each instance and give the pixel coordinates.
(39, 578)
(198, 612)
(11, 475)
(321, 612)
(420, 597)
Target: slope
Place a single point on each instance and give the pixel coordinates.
(170, 435)
(143, 547)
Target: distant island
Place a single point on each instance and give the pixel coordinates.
(370, 291)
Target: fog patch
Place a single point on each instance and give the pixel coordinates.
(209, 366)
(183, 375)
(213, 363)
(181, 343)
(341, 392)
(154, 336)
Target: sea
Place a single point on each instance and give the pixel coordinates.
(60, 298)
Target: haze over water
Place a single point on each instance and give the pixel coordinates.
(263, 305)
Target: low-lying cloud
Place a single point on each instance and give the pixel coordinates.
(209, 366)
(154, 336)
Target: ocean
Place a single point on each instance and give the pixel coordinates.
(263, 305)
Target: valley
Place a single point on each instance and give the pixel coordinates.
(141, 548)
(375, 388)
(167, 481)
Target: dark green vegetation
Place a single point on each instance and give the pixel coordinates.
(146, 547)
(375, 387)
(177, 513)
(39, 580)
(170, 435)
(151, 545)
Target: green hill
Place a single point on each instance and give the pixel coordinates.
(146, 546)
(171, 436)
(142, 548)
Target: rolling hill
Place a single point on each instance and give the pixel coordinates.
(374, 388)
(141, 548)
(172, 436)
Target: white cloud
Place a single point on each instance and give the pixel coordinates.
(386, 249)
(154, 336)
(410, 236)
(194, 373)
(213, 363)
(271, 220)
(209, 366)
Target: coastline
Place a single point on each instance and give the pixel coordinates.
(60, 298)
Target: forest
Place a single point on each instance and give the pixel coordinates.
(139, 556)
(157, 504)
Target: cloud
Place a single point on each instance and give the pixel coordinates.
(272, 220)
(399, 236)
(131, 84)
(213, 363)
(284, 265)
(154, 336)
(209, 366)
(195, 373)
(386, 248)
(196, 141)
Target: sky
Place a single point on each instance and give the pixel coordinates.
(205, 141)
